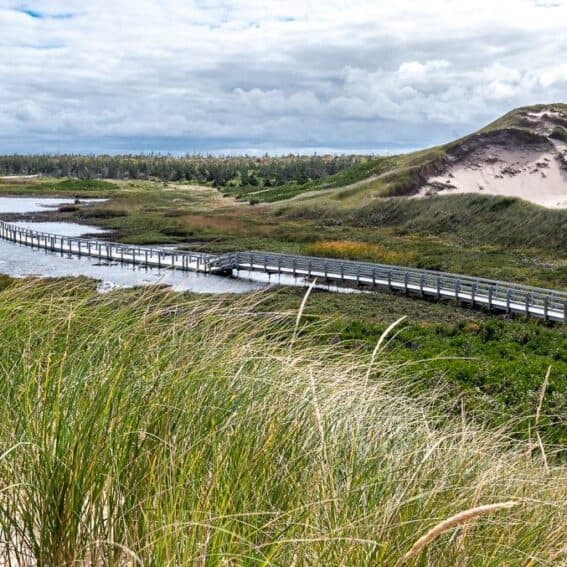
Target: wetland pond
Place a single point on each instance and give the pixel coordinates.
(21, 261)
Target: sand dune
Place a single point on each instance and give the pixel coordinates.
(510, 163)
(538, 177)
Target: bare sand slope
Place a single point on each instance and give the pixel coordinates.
(539, 177)
(508, 164)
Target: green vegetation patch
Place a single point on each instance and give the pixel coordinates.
(495, 363)
(79, 185)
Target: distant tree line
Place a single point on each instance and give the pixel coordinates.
(217, 170)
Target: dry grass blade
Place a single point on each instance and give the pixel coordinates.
(542, 395)
(302, 309)
(456, 520)
(380, 342)
(542, 449)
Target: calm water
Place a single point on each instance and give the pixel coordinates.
(36, 204)
(62, 228)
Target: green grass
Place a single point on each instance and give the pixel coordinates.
(147, 428)
(78, 187)
(496, 364)
(480, 235)
(476, 219)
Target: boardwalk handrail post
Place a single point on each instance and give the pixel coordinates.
(528, 295)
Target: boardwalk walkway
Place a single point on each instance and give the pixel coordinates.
(500, 296)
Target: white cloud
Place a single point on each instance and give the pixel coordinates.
(202, 74)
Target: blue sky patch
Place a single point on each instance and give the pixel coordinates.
(42, 16)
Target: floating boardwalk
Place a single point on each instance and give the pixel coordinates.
(500, 296)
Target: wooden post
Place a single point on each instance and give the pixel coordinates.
(528, 304)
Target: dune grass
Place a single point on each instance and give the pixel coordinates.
(150, 428)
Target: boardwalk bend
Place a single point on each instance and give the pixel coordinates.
(500, 296)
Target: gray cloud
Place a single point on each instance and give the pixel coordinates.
(176, 75)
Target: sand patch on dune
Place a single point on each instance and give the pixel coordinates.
(532, 174)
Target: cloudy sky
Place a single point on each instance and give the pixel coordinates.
(254, 75)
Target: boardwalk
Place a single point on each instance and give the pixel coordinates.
(112, 251)
(499, 296)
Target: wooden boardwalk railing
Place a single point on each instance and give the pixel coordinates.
(111, 251)
(500, 296)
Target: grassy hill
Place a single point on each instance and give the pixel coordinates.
(473, 233)
(404, 174)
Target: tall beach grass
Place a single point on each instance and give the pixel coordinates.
(148, 428)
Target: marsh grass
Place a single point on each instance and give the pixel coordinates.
(147, 428)
(367, 251)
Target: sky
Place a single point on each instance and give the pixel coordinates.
(253, 76)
